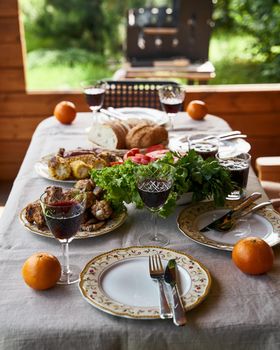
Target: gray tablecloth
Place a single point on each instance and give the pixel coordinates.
(241, 311)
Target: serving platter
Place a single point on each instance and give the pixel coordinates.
(118, 282)
(112, 224)
(264, 224)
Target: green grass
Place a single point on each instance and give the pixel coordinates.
(235, 60)
(232, 55)
(62, 77)
(64, 70)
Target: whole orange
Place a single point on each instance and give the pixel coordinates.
(253, 255)
(41, 271)
(65, 112)
(197, 109)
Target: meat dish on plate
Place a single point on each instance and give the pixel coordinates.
(98, 210)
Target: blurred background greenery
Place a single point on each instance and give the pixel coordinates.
(74, 40)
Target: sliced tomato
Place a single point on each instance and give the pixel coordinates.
(144, 161)
(131, 152)
(115, 163)
(146, 157)
(157, 154)
(155, 148)
(136, 160)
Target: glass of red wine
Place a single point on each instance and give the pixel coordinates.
(171, 98)
(63, 218)
(154, 185)
(95, 93)
(205, 145)
(238, 167)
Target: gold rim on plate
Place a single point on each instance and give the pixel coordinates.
(110, 226)
(188, 219)
(90, 284)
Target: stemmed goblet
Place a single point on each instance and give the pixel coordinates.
(95, 93)
(154, 185)
(63, 218)
(171, 98)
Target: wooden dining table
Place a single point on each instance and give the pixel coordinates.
(240, 311)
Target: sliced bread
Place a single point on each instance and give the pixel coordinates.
(107, 136)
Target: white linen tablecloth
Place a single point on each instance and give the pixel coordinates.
(240, 312)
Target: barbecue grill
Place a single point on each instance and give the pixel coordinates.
(164, 33)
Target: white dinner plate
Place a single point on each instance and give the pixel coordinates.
(228, 148)
(151, 114)
(118, 281)
(264, 224)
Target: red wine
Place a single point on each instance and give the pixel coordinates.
(171, 105)
(239, 171)
(154, 193)
(95, 97)
(64, 218)
(205, 150)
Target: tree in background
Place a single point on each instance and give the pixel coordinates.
(61, 24)
(261, 19)
(92, 25)
(258, 18)
(84, 30)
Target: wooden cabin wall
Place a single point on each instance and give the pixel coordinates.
(253, 109)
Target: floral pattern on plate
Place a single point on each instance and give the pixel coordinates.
(187, 222)
(91, 280)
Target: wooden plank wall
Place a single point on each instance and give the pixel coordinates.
(12, 81)
(253, 109)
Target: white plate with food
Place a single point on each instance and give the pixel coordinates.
(42, 169)
(264, 224)
(120, 134)
(229, 148)
(118, 281)
(71, 166)
(150, 114)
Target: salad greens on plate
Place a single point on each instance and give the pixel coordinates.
(205, 178)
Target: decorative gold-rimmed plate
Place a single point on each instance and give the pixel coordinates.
(112, 224)
(264, 224)
(118, 282)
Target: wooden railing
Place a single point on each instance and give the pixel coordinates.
(253, 109)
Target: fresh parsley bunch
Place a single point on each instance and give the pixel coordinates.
(205, 178)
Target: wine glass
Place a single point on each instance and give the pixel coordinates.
(154, 185)
(238, 167)
(171, 98)
(204, 145)
(94, 91)
(63, 218)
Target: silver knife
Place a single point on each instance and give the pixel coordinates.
(227, 217)
(179, 314)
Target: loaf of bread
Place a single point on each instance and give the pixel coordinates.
(119, 135)
(108, 136)
(143, 136)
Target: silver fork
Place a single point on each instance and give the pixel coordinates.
(157, 274)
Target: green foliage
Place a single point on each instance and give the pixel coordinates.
(191, 174)
(77, 40)
(93, 25)
(261, 20)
